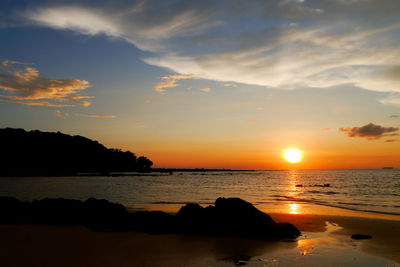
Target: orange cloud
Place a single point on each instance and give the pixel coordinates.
(61, 114)
(32, 103)
(170, 81)
(325, 129)
(207, 90)
(26, 86)
(95, 116)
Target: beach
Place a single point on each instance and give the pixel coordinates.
(326, 241)
(327, 216)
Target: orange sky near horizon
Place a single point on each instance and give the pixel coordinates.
(351, 156)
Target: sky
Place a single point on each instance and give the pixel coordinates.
(212, 84)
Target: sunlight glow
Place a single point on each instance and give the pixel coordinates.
(294, 208)
(292, 155)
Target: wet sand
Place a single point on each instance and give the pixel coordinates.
(322, 244)
(385, 234)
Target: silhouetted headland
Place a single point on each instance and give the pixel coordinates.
(37, 153)
(228, 217)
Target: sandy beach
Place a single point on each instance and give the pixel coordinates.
(325, 240)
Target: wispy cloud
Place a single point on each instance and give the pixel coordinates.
(58, 113)
(230, 85)
(171, 81)
(391, 140)
(252, 121)
(140, 24)
(394, 116)
(392, 99)
(315, 44)
(325, 129)
(8, 63)
(370, 131)
(24, 85)
(206, 89)
(95, 116)
(61, 114)
(31, 103)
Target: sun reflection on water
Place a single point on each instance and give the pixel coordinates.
(294, 208)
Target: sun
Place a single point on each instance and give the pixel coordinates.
(292, 155)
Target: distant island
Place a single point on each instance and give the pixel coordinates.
(37, 153)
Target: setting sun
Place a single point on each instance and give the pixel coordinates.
(292, 155)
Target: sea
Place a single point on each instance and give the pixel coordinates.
(337, 192)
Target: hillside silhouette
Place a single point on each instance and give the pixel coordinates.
(46, 153)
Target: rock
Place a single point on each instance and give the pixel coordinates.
(232, 217)
(98, 215)
(229, 216)
(190, 210)
(360, 236)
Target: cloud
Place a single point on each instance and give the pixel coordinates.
(61, 114)
(230, 85)
(170, 81)
(293, 44)
(391, 140)
(58, 113)
(141, 24)
(370, 131)
(392, 100)
(394, 116)
(9, 63)
(325, 129)
(24, 85)
(95, 116)
(252, 121)
(206, 90)
(31, 103)
(139, 126)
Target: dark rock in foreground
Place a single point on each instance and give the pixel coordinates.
(229, 216)
(360, 236)
(97, 214)
(232, 216)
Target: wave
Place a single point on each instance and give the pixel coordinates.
(342, 205)
(322, 192)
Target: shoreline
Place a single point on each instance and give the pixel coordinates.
(385, 233)
(279, 207)
(40, 245)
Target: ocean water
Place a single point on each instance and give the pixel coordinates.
(292, 191)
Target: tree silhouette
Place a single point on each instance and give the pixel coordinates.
(47, 153)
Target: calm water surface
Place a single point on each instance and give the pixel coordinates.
(375, 191)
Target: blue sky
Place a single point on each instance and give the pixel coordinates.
(200, 80)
